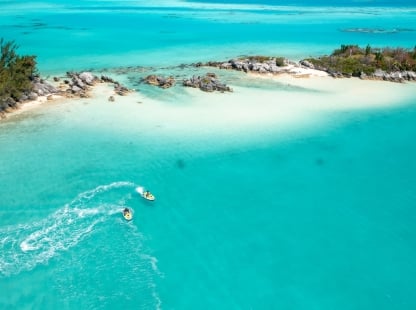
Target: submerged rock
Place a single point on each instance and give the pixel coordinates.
(160, 81)
(207, 83)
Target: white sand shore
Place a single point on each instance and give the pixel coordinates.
(29, 105)
(305, 72)
(295, 101)
(293, 104)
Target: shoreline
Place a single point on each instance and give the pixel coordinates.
(73, 86)
(29, 105)
(307, 78)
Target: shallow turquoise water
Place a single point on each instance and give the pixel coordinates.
(93, 34)
(323, 220)
(316, 217)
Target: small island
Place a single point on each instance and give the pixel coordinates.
(388, 64)
(20, 81)
(393, 64)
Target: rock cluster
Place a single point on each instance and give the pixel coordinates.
(80, 83)
(207, 83)
(118, 88)
(257, 64)
(159, 81)
(262, 64)
(381, 75)
(40, 88)
(73, 85)
(395, 76)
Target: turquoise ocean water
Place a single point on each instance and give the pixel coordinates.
(318, 216)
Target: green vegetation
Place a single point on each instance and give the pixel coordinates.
(280, 61)
(352, 60)
(16, 73)
(259, 58)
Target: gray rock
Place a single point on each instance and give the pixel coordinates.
(263, 70)
(107, 79)
(226, 65)
(275, 69)
(23, 98)
(160, 81)
(363, 76)
(48, 88)
(88, 78)
(411, 75)
(207, 83)
(255, 66)
(379, 74)
(32, 96)
(75, 89)
(265, 67)
(236, 64)
(307, 64)
(78, 82)
(396, 76)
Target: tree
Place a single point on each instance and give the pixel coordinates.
(367, 50)
(16, 73)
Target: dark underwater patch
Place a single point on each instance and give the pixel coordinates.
(319, 161)
(180, 163)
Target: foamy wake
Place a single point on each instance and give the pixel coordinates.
(140, 190)
(24, 246)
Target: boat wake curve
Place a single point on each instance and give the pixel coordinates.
(24, 246)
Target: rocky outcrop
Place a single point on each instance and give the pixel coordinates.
(120, 89)
(396, 76)
(257, 64)
(107, 79)
(270, 65)
(40, 87)
(380, 75)
(6, 105)
(160, 81)
(79, 84)
(207, 83)
(73, 85)
(307, 64)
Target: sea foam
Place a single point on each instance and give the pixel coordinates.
(24, 246)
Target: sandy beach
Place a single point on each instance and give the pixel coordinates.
(29, 105)
(297, 98)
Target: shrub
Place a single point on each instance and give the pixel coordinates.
(280, 61)
(16, 73)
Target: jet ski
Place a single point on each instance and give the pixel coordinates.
(148, 195)
(145, 193)
(127, 214)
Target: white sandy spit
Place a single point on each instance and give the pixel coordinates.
(295, 103)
